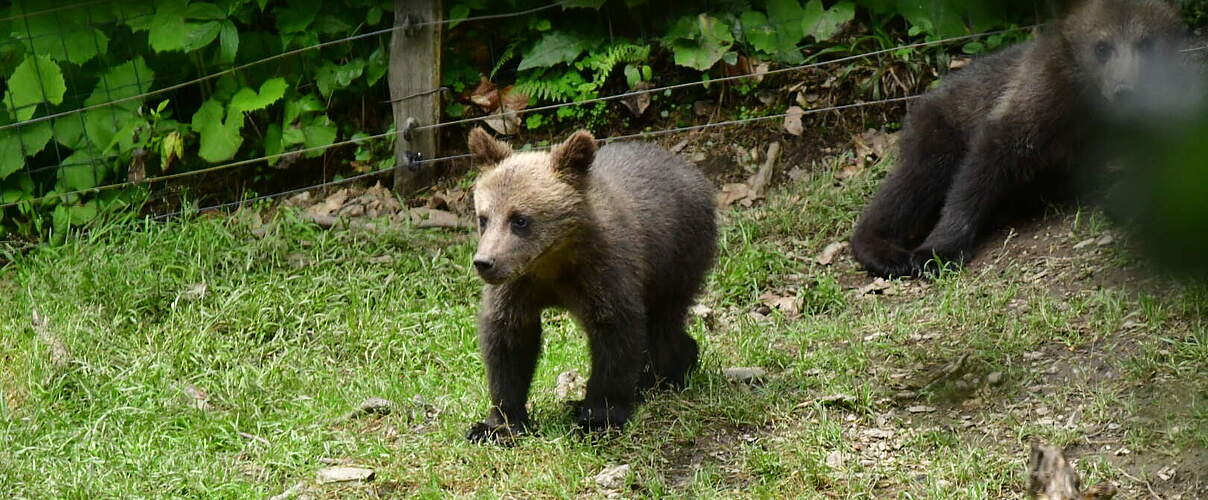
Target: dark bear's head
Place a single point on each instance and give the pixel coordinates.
(1121, 47)
(529, 204)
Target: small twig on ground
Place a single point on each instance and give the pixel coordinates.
(1148, 485)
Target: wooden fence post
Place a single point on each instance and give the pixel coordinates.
(414, 70)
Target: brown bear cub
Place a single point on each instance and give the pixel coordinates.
(622, 238)
(1011, 125)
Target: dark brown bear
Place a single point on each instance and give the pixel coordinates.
(621, 237)
(1011, 125)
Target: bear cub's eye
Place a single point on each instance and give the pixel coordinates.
(482, 223)
(1103, 50)
(520, 222)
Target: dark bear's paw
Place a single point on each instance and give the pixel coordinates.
(484, 432)
(597, 417)
(931, 264)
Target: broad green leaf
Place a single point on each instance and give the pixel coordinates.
(18, 143)
(69, 131)
(103, 124)
(272, 142)
(69, 35)
(457, 13)
(82, 214)
(271, 91)
(167, 28)
(228, 43)
(825, 24)
(37, 80)
(778, 33)
(16, 188)
(296, 107)
(715, 39)
(81, 170)
(297, 16)
(331, 77)
(319, 132)
(374, 16)
(633, 75)
(683, 28)
(554, 48)
(125, 80)
(203, 10)
(199, 35)
(376, 67)
(220, 139)
(61, 223)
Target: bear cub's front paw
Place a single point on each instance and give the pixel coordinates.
(597, 417)
(484, 432)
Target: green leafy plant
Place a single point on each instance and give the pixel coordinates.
(105, 57)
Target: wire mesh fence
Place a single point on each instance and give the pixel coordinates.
(92, 92)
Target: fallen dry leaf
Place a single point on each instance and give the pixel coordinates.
(505, 123)
(872, 145)
(787, 305)
(485, 95)
(792, 121)
(828, 254)
(637, 104)
(198, 398)
(879, 285)
(737, 192)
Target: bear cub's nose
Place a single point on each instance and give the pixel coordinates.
(483, 264)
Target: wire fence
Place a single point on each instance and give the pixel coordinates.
(68, 133)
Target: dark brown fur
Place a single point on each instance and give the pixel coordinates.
(621, 237)
(1007, 127)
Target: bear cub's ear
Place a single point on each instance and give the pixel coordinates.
(487, 149)
(572, 158)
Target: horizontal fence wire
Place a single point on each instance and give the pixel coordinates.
(728, 78)
(241, 67)
(358, 140)
(605, 140)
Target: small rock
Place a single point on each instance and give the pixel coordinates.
(921, 409)
(750, 375)
(1084, 243)
(994, 378)
(343, 473)
(834, 459)
(569, 385)
(613, 478)
(905, 395)
(877, 433)
(701, 310)
(371, 406)
(194, 292)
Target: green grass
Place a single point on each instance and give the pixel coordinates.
(299, 325)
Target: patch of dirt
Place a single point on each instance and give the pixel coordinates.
(718, 448)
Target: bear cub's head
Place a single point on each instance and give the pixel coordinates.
(530, 205)
(1120, 47)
